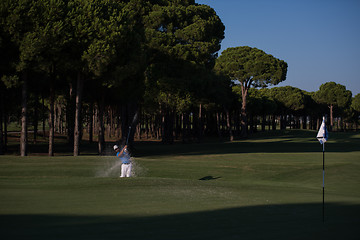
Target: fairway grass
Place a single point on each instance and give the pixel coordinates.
(261, 188)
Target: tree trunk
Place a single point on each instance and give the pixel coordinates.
(61, 118)
(244, 92)
(51, 119)
(251, 123)
(331, 117)
(118, 127)
(70, 115)
(1, 124)
(269, 122)
(2, 120)
(185, 129)
(167, 126)
(200, 123)
(91, 122)
(177, 128)
(5, 132)
(182, 127)
(110, 123)
(101, 134)
(263, 123)
(218, 125)
(304, 123)
(36, 118)
(228, 124)
(23, 136)
(58, 117)
(78, 127)
(273, 122)
(282, 122)
(43, 114)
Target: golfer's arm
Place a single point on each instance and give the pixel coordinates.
(122, 150)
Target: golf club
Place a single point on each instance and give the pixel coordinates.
(127, 139)
(133, 123)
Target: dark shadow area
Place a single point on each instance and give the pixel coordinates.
(209, 178)
(60, 148)
(279, 146)
(262, 142)
(291, 221)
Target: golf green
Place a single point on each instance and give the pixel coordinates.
(261, 188)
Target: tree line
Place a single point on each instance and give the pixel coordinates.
(145, 69)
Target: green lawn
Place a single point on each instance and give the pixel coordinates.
(261, 188)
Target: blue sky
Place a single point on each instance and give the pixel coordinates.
(319, 39)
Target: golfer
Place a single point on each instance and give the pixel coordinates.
(125, 161)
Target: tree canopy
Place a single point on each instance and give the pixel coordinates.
(334, 95)
(250, 67)
(356, 103)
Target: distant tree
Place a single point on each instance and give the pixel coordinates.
(250, 67)
(334, 96)
(355, 106)
(268, 107)
(290, 100)
(311, 111)
(255, 107)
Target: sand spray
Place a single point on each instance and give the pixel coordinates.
(111, 167)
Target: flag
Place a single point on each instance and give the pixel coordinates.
(322, 135)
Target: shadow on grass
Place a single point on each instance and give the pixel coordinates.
(277, 146)
(293, 221)
(207, 178)
(287, 141)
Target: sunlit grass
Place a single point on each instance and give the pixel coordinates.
(270, 184)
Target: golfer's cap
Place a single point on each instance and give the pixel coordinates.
(116, 147)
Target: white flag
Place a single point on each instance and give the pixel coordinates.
(322, 135)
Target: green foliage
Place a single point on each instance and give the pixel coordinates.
(260, 102)
(97, 30)
(10, 81)
(255, 97)
(354, 110)
(185, 31)
(288, 98)
(167, 86)
(157, 53)
(106, 39)
(38, 29)
(333, 94)
(251, 67)
(182, 39)
(355, 104)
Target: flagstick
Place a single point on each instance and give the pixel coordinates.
(322, 136)
(323, 182)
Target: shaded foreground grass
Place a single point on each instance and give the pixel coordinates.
(286, 221)
(200, 191)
